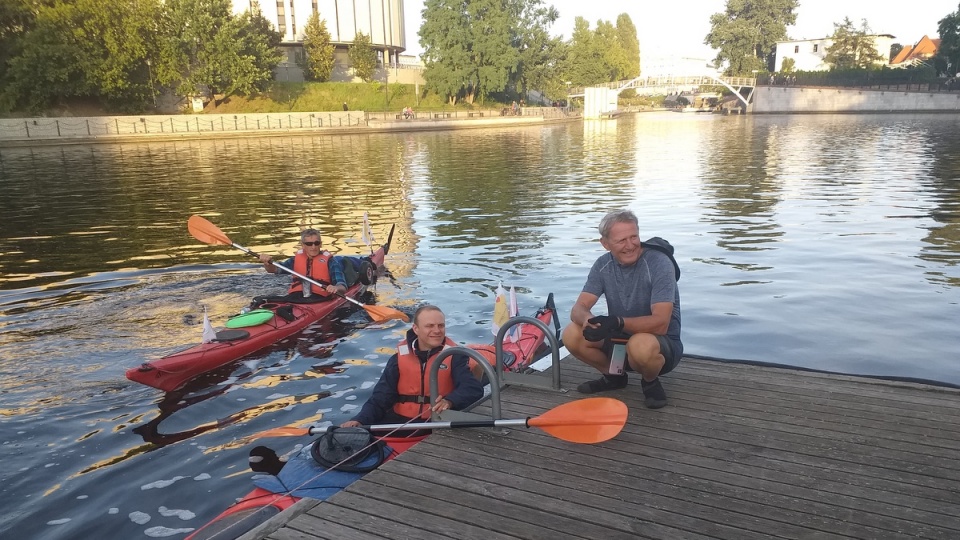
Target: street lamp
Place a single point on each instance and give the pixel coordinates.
(153, 89)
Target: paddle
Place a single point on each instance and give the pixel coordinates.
(208, 233)
(588, 421)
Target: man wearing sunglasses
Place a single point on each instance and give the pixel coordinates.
(311, 261)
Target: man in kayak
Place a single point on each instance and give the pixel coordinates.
(403, 392)
(643, 310)
(314, 262)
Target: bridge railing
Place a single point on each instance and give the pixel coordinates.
(669, 81)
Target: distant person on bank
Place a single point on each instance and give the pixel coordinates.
(403, 392)
(315, 263)
(643, 307)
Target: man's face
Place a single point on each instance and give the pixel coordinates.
(623, 243)
(431, 329)
(311, 245)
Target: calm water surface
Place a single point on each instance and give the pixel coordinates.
(824, 242)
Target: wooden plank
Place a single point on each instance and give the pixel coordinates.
(675, 486)
(741, 452)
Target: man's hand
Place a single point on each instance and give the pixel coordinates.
(351, 423)
(602, 327)
(441, 405)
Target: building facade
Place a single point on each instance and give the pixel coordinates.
(808, 54)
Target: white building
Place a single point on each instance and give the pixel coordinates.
(382, 20)
(808, 54)
(674, 65)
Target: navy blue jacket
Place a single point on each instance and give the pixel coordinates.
(467, 389)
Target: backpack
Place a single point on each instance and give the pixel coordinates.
(659, 244)
(347, 449)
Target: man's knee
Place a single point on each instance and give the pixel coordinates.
(644, 350)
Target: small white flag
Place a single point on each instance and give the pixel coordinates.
(514, 333)
(367, 234)
(209, 334)
(501, 312)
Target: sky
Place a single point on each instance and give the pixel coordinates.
(679, 28)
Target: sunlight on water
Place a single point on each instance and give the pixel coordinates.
(828, 242)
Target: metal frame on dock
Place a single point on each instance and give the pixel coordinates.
(497, 376)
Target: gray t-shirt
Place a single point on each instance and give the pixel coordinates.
(630, 291)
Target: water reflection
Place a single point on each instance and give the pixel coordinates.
(815, 241)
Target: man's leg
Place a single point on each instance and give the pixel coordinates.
(646, 358)
(592, 354)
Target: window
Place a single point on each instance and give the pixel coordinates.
(815, 47)
(796, 48)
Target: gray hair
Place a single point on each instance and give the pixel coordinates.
(309, 232)
(611, 219)
(425, 307)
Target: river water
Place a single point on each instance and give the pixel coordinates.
(822, 242)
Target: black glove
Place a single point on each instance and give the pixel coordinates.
(608, 326)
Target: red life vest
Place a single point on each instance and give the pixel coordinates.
(317, 269)
(413, 386)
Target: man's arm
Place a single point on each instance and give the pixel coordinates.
(384, 395)
(466, 388)
(580, 313)
(657, 323)
(336, 275)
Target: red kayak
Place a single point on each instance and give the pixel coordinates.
(176, 369)
(261, 504)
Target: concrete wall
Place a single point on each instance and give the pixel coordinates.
(183, 124)
(779, 99)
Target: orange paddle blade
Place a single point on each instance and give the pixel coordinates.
(283, 432)
(383, 313)
(590, 420)
(206, 232)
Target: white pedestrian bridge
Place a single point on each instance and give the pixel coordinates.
(602, 98)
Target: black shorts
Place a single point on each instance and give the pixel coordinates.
(671, 350)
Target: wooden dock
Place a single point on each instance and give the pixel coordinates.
(741, 452)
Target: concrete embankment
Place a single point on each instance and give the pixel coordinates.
(111, 129)
(787, 99)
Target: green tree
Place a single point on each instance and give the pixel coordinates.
(318, 61)
(616, 63)
(948, 55)
(470, 46)
(363, 57)
(789, 65)
(585, 63)
(540, 53)
(627, 36)
(746, 33)
(852, 48)
(259, 54)
(204, 47)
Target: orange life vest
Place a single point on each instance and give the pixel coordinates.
(317, 269)
(413, 385)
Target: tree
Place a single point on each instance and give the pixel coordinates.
(205, 48)
(318, 64)
(585, 63)
(894, 51)
(852, 48)
(948, 56)
(627, 36)
(616, 63)
(469, 46)
(746, 33)
(363, 57)
(540, 53)
(259, 55)
(789, 65)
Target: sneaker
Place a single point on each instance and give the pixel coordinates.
(607, 382)
(654, 395)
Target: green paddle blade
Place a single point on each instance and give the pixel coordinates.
(251, 318)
